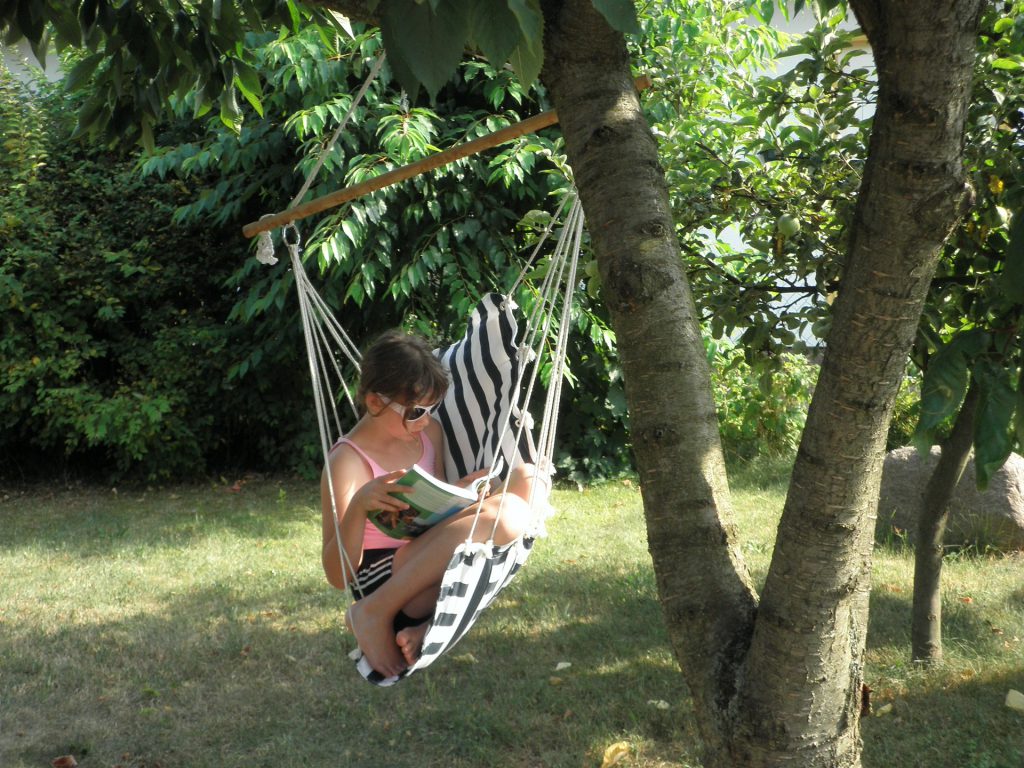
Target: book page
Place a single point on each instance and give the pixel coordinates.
(431, 496)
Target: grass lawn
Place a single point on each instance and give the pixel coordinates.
(191, 626)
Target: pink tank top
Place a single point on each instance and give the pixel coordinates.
(373, 538)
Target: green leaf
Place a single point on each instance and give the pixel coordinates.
(531, 21)
(87, 16)
(527, 63)
(620, 14)
(495, 29)
(230, 114)
(427, 45)
(248, 81)
(996, 404)
(148, 142)
(942, 391)
(1010, 65)
(82, 71)
(1012, 279)
(296, 17)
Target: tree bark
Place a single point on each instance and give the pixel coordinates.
(799, 700)
(704, 586)
(926, 616)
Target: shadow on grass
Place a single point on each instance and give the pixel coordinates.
(963, 724)
(889, 624)
(1016, 599)
(224, 677)
(94, 524)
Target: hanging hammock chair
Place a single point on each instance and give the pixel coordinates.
(484, 418)
(484, 415)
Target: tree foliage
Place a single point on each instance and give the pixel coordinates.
(147, 53)
(413, 253)
(973, 324)
(114, 342)
(419, 254)
(763, 166)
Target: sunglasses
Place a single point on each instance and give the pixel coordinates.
(409, 412)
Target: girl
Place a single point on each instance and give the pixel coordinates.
(397, 581)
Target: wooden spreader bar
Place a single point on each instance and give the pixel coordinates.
(529, 125)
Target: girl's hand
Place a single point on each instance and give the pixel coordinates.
(468, 480)
(376, 495)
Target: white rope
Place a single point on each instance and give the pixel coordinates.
(321, 330)
(540, 243)
(309, 322)
(561, 265)
(265, 242)
(378, 62)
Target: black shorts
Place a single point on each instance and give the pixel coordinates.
(373, 571)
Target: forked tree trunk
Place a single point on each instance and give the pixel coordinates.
(778, 685)
(926, 621)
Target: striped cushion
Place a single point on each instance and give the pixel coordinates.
(483, 368)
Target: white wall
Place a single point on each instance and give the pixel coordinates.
(20, 60)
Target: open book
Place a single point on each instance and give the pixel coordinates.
(431, 502)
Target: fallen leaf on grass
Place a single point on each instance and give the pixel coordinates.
(966, 600)
(658, 703)
(64, 761)
(1015, 700)
(615, 754)
(562, 665)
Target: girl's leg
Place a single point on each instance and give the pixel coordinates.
(416, 578)
(527, 479)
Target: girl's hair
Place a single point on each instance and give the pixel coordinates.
(402, 368)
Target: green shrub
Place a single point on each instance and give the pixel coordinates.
(905, 412)
(760, 412)
(114, 348)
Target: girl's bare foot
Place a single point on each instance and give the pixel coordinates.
(410, 641)
(376, 638)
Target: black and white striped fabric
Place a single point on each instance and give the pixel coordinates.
(479, 403)
(475, 576)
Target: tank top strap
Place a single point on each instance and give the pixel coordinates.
(426, 460)
(375, 469)
(429, 452)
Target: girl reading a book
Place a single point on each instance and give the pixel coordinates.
(398, 580)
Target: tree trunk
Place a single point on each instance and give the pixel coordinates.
(800, 697)
(704, 587)
(926, 622)
(788, 692)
